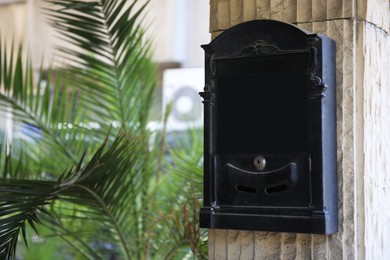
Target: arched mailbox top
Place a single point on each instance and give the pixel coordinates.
(270, 38)
(270, 33)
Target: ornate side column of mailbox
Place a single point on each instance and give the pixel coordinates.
(361, 31)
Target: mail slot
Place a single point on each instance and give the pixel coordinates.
(270, 130)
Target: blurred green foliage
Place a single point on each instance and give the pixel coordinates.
(82, 177)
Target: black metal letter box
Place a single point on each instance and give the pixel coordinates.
(270, 130)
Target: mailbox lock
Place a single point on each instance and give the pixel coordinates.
(259, 162)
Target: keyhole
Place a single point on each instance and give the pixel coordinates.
(259, 162)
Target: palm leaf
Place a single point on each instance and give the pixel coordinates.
(108, 81)
(110, 62)
(41, 105)
(23, 201)
(107, 199)
(177, 198)
(108, 57)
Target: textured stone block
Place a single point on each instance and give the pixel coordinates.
(288, 246)
(376, 12)
(277, 10)
(213, 16)
(236, 12)
(211, 243)
(304, 11)
(376, 46)
(267, 246)
(249, 10)
(334, 8)
(263, 9)
(220, 245)
(232, 12)
(223, 15)
(320, 11)
(247, 245)
(234, 244)
(303, 243)
(289, 11)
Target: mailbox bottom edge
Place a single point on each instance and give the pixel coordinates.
(311, 222)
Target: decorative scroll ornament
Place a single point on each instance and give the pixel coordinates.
(261, 48)
(317, 88)
(208, 97)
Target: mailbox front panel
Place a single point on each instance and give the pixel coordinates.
(270, 130)
(273, 109)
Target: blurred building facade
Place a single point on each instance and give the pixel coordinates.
(177, 28)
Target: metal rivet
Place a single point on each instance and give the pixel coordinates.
(259, 162)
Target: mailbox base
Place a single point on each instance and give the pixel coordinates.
(314, 222)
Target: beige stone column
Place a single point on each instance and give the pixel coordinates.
(361, 31)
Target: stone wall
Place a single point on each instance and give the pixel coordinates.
(376, 117)
(361, 32)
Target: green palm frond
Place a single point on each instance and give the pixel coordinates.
(108, 57)
(110, 82)
(110, 195)
(20, 204)
(179, 199)
(22, 201)
(41, 105)
(114, 194)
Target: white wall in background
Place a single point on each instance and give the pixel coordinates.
(178, 28)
